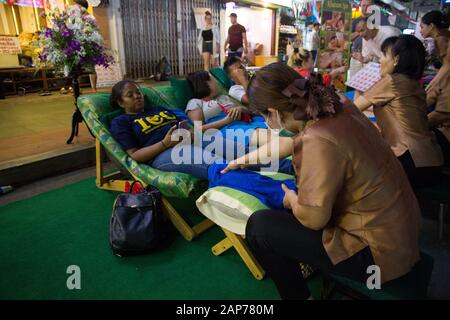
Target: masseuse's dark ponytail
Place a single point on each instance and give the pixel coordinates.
(437, 18)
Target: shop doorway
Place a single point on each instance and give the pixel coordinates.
(151, 32)
(260, 25)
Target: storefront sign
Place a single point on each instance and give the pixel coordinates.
(109, 76)
(334, 49)
(9, 45)
(30, 3)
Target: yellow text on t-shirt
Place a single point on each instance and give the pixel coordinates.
(151, 123)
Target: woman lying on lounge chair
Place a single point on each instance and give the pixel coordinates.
(218, 111)
(149, 135)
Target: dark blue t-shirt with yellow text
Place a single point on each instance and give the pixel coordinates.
(144, 129)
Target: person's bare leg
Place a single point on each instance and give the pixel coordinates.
(213, 62)
(93, 80)
(206, 60)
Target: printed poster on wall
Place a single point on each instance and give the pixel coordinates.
(10, 45)
(334, 49)
(107, 77)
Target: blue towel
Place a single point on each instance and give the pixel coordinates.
(181, 115)
(350, 95)
(266, 189)
(258, 122)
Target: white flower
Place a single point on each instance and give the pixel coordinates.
(96, 37)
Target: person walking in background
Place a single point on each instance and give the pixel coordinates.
(315, 41)
(236, 42)
(208, 42)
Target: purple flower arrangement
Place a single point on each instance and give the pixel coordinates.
(73, 42)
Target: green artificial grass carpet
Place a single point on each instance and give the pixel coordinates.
(42, 236)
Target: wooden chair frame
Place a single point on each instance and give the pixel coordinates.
(115, 182)
(238, 243)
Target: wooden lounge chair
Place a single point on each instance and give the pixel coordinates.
(94, 109)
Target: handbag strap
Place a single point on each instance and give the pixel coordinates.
(132, 185)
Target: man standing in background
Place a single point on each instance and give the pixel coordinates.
(315, 41)
(236, 42)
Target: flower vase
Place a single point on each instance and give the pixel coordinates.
(77, 117)
(67, 71)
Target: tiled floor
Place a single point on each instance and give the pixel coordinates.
(33, 124)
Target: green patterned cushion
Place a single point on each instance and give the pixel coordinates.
(94, 106)
(182, 90)
(163, 96)
(222, 77)
(106, 119)
(230, 209)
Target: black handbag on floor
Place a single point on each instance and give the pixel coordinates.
(138, 224)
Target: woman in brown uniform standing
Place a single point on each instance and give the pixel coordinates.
(354, 208)
(400, 108)
(435, 25)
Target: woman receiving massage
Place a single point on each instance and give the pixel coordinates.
(302, 61)
(355, 207)
(148, 134)
(218, 111)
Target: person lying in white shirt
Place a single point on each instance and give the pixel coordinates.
(236, 72)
